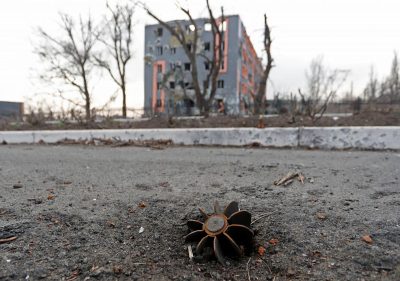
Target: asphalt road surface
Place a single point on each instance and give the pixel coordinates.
(74, 213)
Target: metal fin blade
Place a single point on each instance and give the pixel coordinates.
(232, 244)
(203, 213)
(241, 234)
(240, 217)
(232, 207)
(218, 251)
(195, 224)
(204, 242)
(217, 208)
(195, 235)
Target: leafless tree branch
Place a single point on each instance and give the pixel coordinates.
(204, 96)
(260, 96)
(68, 57)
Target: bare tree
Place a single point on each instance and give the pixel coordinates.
(322, 86)
(117, 39)
(260, 96)
(68, 58)
(393, 81)
(204, 95)
(389, 88)
(371, 90)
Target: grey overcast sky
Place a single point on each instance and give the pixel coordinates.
(350, 34)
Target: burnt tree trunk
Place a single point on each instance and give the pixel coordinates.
(260, 96)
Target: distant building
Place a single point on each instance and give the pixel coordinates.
(168, 82)
(11, 110)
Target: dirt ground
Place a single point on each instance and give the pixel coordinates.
(372, 118)
(75, 213)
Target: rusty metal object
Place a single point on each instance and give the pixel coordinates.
(227, 232)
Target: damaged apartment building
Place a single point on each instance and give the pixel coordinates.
(168, 81)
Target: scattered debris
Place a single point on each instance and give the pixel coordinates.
(36, 201)
(50, 196)
(7, 240)
(111, 224)
(248, 270)
(288, 182)
(288, 179)
(261, 251)
(263, 216)
(142, 205)
(316, 254)
(190, 252)
(254, 144)
(117, 142)
(229, 228)
(141, 229)
(17, 185)
(321, 215)
(367, 239)
(4, 142)
(67, 182)
(74, 275)
(273, 241)
(67, 141)
(117, 269)
(164, 184)
(290, 272)
(301, 178)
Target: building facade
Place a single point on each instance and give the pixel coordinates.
(11, 110)
(168, 82)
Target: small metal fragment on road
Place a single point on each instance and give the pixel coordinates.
(226, 231)
(141, 229)
(17, 186)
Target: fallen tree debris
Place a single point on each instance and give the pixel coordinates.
(263, 216)
(248, 270)
(190, 252)
(7, 240)
(289, 178)
(117, 142)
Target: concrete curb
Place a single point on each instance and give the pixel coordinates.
(350, 137)
(311, 137)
